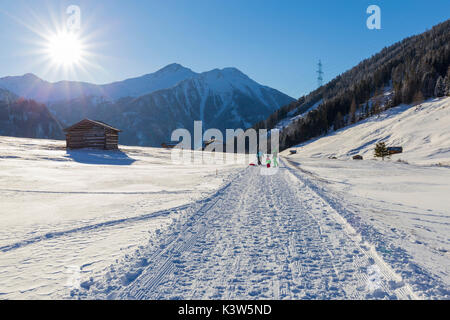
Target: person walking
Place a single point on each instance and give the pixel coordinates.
(259, 156)
(275, 161)
(268, 161)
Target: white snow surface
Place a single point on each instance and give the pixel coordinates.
(131, 225)
(402, 210)
(401, 204)
(267, 236)
(422, 130)
(80, 211)
(290, 119)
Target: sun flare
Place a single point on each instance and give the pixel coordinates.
(65, 49)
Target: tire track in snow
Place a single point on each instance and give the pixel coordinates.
(388, 280)
(261, 237)
(109, 223)
(98, 192)
(56, 234)
(105, 224)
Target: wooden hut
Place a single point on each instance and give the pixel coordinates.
(395, 150)
(92, 134)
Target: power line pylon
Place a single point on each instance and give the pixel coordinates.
(319, 74)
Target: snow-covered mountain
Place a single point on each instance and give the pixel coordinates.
(26, 118)
(150, 107)
(135, 87)
(222, 99)
(30, 86)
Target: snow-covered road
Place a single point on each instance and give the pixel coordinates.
(134, 225)
(260, 236)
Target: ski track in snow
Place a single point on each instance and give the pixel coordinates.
(420, 278)
(259, 237)
(88, 228)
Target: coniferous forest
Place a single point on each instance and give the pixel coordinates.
(415, 69)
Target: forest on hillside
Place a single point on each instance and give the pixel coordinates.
(416, 69)
(27, 118)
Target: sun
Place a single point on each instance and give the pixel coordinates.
(65, 49)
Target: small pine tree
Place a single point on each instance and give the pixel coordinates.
(381, 150)
(439, 90)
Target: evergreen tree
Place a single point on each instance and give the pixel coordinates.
(338, 121)
(367, 109)
(352, 117)
(412, 67)
(428, 84)
(418, 97)
(381, 150)
(448, 81)
(447, 90)
(375, 107)
(439, 90)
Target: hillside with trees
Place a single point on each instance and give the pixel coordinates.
(414, 69)
(26, 118)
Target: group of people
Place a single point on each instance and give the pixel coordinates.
(260, 156)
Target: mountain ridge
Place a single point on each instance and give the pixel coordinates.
(30, 86)
(221, 98)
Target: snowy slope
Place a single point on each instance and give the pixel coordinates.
(423, 131)
(65, 214)
(402, 208)
(131, 224)
(292, 116)
(164, 78)
(279, 236)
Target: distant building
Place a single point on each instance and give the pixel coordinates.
(92, 134)
(169, 145)
(394, 150)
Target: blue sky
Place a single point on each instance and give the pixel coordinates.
(277, 43)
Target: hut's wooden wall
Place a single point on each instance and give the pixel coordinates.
(112, 139)
(88, 135)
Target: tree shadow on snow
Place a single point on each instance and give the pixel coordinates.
(106, 157)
